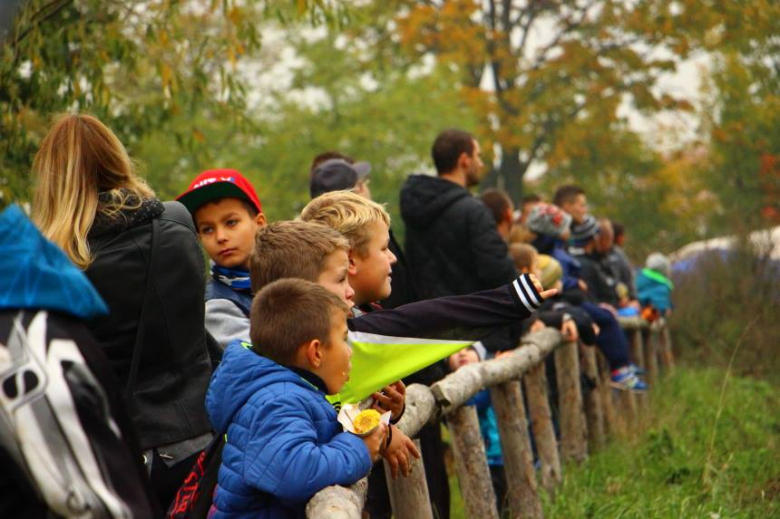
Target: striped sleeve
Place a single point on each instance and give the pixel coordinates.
(524, 292)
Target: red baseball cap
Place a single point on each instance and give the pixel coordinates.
(215, 184)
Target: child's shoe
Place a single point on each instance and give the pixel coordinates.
(625, 380)
(636, 370)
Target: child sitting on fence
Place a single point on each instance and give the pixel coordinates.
(654, 288)
(487, 423)
(227, 214)
(284, 443)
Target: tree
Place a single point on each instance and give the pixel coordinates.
(135, 64)
(547, 65)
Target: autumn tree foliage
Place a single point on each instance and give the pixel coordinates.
(534, 68)
(136, 64)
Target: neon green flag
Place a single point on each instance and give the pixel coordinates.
(379, 360)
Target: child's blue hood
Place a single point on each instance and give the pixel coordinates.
(241, 374)
(36, 274)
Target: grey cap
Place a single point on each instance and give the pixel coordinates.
(337, 175)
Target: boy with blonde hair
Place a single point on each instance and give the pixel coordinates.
(366, 225)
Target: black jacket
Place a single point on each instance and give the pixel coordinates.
(452, 245)
(601, 287)
(167, 400)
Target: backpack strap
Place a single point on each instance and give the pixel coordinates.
(139, 337)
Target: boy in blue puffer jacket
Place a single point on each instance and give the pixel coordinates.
(284, 443)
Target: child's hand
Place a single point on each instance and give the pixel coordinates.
(399, 453)
(391, 398)
(569, 330)
(546, 294)
(375, 440)
(537, 326)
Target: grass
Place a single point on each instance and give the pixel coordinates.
(684, 461)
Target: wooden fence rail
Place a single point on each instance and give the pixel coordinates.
(585, 423)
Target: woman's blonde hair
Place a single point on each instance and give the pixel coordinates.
(348, 213)
(79, 159)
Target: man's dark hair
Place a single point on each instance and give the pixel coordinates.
(566, 194)
(498, 202)
(448, 147)
(531, 198)
(328, 155)
(290, 312)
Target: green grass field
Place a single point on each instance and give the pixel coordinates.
(687, 460)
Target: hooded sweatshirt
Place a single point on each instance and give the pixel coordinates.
(452, 244)
(284, 443)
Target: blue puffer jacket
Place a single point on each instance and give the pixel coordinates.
(283, 441)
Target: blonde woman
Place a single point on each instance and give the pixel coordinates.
(144, 259)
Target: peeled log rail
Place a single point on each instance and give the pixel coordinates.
(535, 382)
(409, 495)
(476, 486)
(447, 397)
(337, 502)
(519, 469)
(456, 389)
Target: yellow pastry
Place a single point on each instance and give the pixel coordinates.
(366, 420)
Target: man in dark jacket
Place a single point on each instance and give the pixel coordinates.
(452, 248)
(452, 244)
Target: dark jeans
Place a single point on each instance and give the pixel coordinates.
(611, 340)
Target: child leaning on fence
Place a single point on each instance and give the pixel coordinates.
(284, 443)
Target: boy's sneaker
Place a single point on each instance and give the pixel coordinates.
(636, 370)
(625, 380)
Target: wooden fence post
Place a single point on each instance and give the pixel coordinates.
(637, 351)
(471, 464)
(667, 356)
(409, 496)
(651, 358)
(522, 495)
(628, 406)
(573, 433)
(638, 358)
(594, 410)
(535, 382)
(611, 420)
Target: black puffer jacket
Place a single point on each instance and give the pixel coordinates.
(452, 245)
(167, 400)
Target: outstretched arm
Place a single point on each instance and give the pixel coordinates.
(468, 317)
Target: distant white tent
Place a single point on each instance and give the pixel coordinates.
(765, 242)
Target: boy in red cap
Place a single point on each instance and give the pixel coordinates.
(227, 214)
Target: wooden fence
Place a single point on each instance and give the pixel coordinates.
(585, 423)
